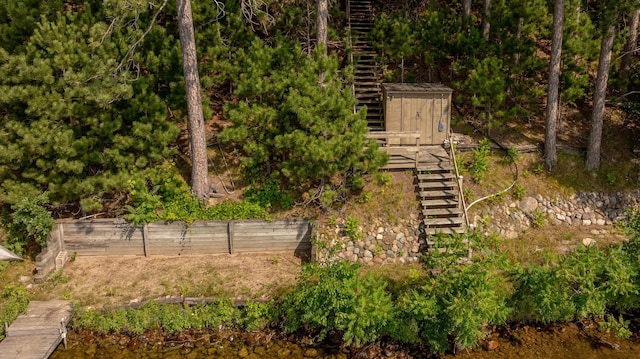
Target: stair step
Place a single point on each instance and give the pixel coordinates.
(446, 230)
(436, 185)
(438, 194)
(371, 97)
(435, 176)
(439, 203)
(450, 222)
(439, 212)
(441, 167)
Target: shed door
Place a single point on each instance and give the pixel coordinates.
(414, 112)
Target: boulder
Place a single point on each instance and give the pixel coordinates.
(528, 204)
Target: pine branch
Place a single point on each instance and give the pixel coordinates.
(128, 56)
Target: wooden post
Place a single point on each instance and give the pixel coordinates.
(230, 229)
(60, 236)
(145, 240)
(63, 333)
(314, 248)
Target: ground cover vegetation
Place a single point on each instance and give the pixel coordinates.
(451, 302)
(93, 124)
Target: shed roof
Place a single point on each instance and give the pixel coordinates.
(416, 88)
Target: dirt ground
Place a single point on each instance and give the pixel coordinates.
(116, 281)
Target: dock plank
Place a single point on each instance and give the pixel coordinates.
(36, 333)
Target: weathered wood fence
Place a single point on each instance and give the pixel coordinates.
(104, 237)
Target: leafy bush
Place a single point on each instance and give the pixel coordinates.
(632, 226)
(14, 301)
(456, 306)
(538, 218)
(619, 327)
(352, 228)
(257, 316)
(31, 223)
(584, 284)
(172, 318)
(162, 195)
(479, 166)
(541, 295)
(519, 191)
(336, 298)
(269, 195)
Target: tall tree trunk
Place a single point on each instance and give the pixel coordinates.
(595, 136)
(630, 48)
(486, 19)
(195, 124)
(550, 135)
(321, 21)
(516, 59)
(466, 15)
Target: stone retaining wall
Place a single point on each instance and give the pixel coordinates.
(583, 209)
(381, 242)
(400, 242)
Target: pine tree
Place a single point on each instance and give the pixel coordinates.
(292, 132)
(71, 127)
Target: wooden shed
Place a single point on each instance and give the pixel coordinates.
(422, 107)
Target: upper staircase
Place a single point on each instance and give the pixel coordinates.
(367, 72)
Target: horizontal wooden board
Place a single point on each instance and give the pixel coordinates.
(114, 237)
(36, 347)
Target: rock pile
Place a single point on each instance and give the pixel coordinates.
(381, 242)
(402, 242)
(586, 208)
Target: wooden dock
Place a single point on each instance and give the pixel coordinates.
(38, 332)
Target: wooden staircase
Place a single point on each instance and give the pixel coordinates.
(367, 73)
(440, 199)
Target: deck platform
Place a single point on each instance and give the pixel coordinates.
(38, 332)
(409, 157)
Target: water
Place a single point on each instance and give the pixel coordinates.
(581, 341)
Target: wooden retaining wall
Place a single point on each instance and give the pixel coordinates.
(116, 237)
(52, 257)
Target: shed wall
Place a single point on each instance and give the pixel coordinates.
(420, 109)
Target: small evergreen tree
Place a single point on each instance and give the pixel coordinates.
(292, 131)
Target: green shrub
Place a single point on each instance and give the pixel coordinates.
(519, 192)
(479, 165)
(31, 223)
(619, 327)
(541, 295)
(381, 178)
(455, 306)
(257, 316)
(269, 195)
(512, 155)
(352, 228)
(337, 298)
(14, 301)
(538, 218)
(170, 317)
(632, 226)
(162, 195)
